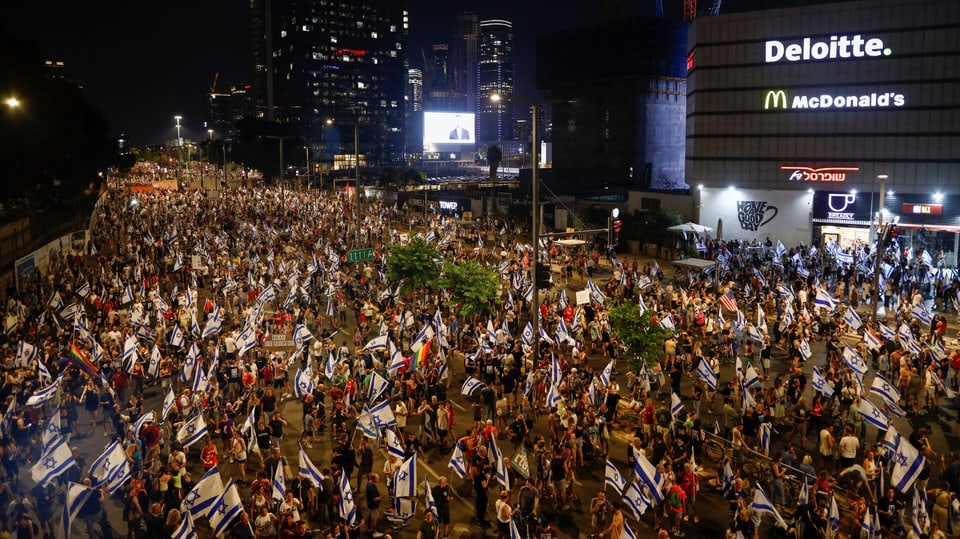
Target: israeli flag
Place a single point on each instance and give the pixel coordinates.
(457, 462)
(762, 504)
(45, 394)
(728, 477)
(886, 332)
(194, 326)
(885, 390)
(470, 386)
(635, 500)
(53, 462)
(367, 425)
(833, 516)
(308, 469)
(203, 494)
(765, 438)
(824, 300)
(193, 356)
(268, 294)
(853, 360)
(871, 341)
(556, 374)
(278, 485)
(921, 519)
(907, 465)
(676, 405)
(613, 478)
(186, 529)
(377, 343)
(378, 385)
(383, 415)
(705, 372)
(225, 509)
(192, 431)
(405, 479)
(553, 396)
(176, 337)
(820, 383)
(26, 354)
(303, 384)
(649, 476)
(527, 335)
(169, 401)
(301, 335)
(750, 377)
(394, 446)
(805, 350)
(607, 373)
(873, 415)
(852, 319)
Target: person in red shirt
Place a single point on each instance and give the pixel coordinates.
(690, 483)
(208, 455)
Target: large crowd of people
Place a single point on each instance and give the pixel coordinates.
(234, 305)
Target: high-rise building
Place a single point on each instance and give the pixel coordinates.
(340, 61)
(465, 57)
(261, 61)
(495, 76)
(440, 89)
(413, 129)
(440, 74)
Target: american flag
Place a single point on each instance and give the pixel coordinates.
(729, 301)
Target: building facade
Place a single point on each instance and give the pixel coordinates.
(340, 61)
(798, 119)
(619, 103)
(495, 75)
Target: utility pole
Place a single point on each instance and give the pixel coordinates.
(283, 197)
(878, 257)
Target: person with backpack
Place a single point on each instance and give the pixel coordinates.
(676, 501)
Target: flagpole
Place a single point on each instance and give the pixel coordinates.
(878, 258)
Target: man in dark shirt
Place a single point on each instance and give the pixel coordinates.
(242, 529)
(442, 497)
(373, 504)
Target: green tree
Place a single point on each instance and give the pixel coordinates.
(414, 264)
(474, 289)
(636, 331)
(650, 226)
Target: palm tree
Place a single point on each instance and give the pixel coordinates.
(494, 156)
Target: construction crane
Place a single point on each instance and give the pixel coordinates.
(213, 87)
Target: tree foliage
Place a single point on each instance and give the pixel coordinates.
(474, 289)
(414, 263)
(650, 226)
(637, 332)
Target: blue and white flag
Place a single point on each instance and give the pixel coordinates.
(885, 390)
(871, 341)
(301, 335)
(470, 386)
(303, 384)
(26, 354)
(820, 383)
(405, 479)
(185, 530)
(428, 497)
(824, 300)
(764, 438)
(278, 484)
(853, 360)
(378, 384)
(227, 506)
(75, 497)
(676, 405)
(190, 363)
(203, 494)
(366, 424)
(394, 446)
(383, 415)
(886, 332)
(706, 372)
(192, 431)
(457, 462)
(922, 314)
(833, 518)
(852, 319)
(907, 465)
(556, 373)
(803, 497)
(728, 477)
(194, 326)
(201, 382)
(83, 291)
(176, 337)
(627, 533)
(553, 397)
(634, 499)
(762, 504)
(614, 478)
(56, 460)
(921, 519)
(607, 373)
(750, 377)
(329, 366)
(169, 401)
(377, 343)
(805, 350)
(308, 469)
(527, 335)
(648, 475)
(108, 463)
(45, 394)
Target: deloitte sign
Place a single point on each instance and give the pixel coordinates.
(779, 100)
(837, 48)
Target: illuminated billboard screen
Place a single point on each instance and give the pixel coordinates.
(448, 128)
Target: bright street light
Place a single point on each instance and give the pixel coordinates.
(12, 102)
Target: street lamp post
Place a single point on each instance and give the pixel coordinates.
(878, 233)
(283, 197)
(356, 158)
(535, 215)
(179, 145)
(12, 103)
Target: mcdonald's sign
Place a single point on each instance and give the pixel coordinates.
(775, 99)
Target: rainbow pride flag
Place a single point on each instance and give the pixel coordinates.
(82, 361)
(421, 356)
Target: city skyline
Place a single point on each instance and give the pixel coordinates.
(143, 66)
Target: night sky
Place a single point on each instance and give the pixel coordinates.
(141, 63)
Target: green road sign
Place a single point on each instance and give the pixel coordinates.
(360, 255)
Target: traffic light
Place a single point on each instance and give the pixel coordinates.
(617, 225)
(543, 276)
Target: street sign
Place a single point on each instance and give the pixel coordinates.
(360, 255)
